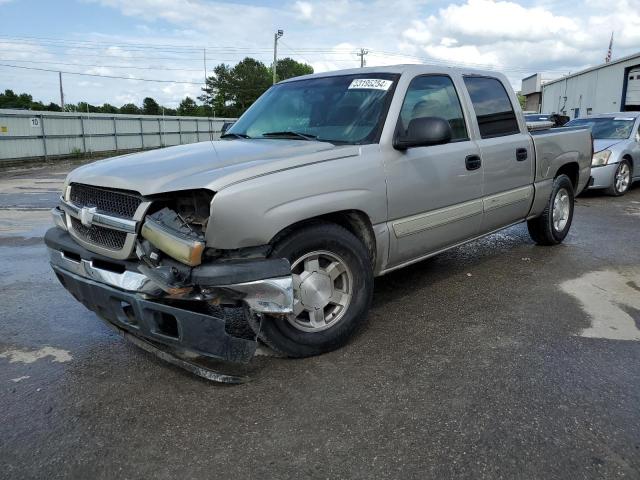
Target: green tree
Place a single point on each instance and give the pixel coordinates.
(289, 68)
(53, 107)
(522, 99)
(107, 108)
(84, 107)
(150, 107)
(230, 91)
(130, 109)
(188, 107)
(9, 99)
(37, 106)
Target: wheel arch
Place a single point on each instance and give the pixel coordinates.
(571, 170)
(356, 222)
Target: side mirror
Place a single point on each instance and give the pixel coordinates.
(423, 132)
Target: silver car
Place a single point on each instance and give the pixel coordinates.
(616, 149)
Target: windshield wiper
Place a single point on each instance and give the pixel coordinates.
(235, 135)
(288, 134)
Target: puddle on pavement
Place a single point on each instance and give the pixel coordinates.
(29, 356)
(611, 299)
(24, 223)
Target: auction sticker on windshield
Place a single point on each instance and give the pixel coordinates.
(371, 83)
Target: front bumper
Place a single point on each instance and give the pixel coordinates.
(603, 177)
(143, 307)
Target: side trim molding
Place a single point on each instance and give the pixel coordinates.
(436, 218)
(443, 216)
(509, 197)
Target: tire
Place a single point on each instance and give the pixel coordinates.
(304, 334)
(621, 179)
(547, 230)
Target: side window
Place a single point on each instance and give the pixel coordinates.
(434, 96)
(494, 111)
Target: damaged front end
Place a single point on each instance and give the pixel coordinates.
(170, 290)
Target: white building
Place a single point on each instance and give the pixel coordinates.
(610, 87)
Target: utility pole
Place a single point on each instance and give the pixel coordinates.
(61, 92)
(204, 61)
(276, 36)
(361, 54)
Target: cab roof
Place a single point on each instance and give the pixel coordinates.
(411, 69)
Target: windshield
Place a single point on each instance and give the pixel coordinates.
(606, 127)
(346, 109)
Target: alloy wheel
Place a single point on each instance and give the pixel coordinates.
(561, 210)
(623, 177)
(323, 288)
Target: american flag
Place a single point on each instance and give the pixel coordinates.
(608, 59)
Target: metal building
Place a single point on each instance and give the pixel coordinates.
(610, 87)
(532, 91)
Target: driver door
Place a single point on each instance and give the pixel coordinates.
(435, 192)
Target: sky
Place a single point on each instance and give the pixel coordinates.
(167, 39)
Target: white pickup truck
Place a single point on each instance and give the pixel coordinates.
(327, 181)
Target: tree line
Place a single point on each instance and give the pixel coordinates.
(228, 93)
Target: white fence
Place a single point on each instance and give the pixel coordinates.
(30, 134)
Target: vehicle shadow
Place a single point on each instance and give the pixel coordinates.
(444, 266)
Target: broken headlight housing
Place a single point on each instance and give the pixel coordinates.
(176, 225)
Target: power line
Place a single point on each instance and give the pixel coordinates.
(101, 76)
(135, 67)
(49, 42)
(295, 52)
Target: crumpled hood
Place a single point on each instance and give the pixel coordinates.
(211, 165)
(605, 143)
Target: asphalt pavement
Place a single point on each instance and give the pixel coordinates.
(498, 359)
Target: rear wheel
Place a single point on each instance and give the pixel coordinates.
(553, 225)
(621, 179)
(333, 285)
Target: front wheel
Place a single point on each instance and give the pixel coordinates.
(553, 225)
(333, 285)
(621, 179)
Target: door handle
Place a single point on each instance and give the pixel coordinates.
(521, 154)
(473, 162)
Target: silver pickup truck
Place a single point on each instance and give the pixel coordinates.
(326, 182)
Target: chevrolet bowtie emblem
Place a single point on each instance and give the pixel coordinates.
(86, 215)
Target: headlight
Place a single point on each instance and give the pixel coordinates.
(600, 158)
(167, 231)
(183, 249)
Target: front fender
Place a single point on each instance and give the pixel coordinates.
(252, 212)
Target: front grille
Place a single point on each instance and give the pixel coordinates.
(110, 202)
(103, 237)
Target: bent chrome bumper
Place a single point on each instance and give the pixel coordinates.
(266, 286)
(269, 295)
(141, 305)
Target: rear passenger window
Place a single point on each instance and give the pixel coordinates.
(493, 109)
(434, 96)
